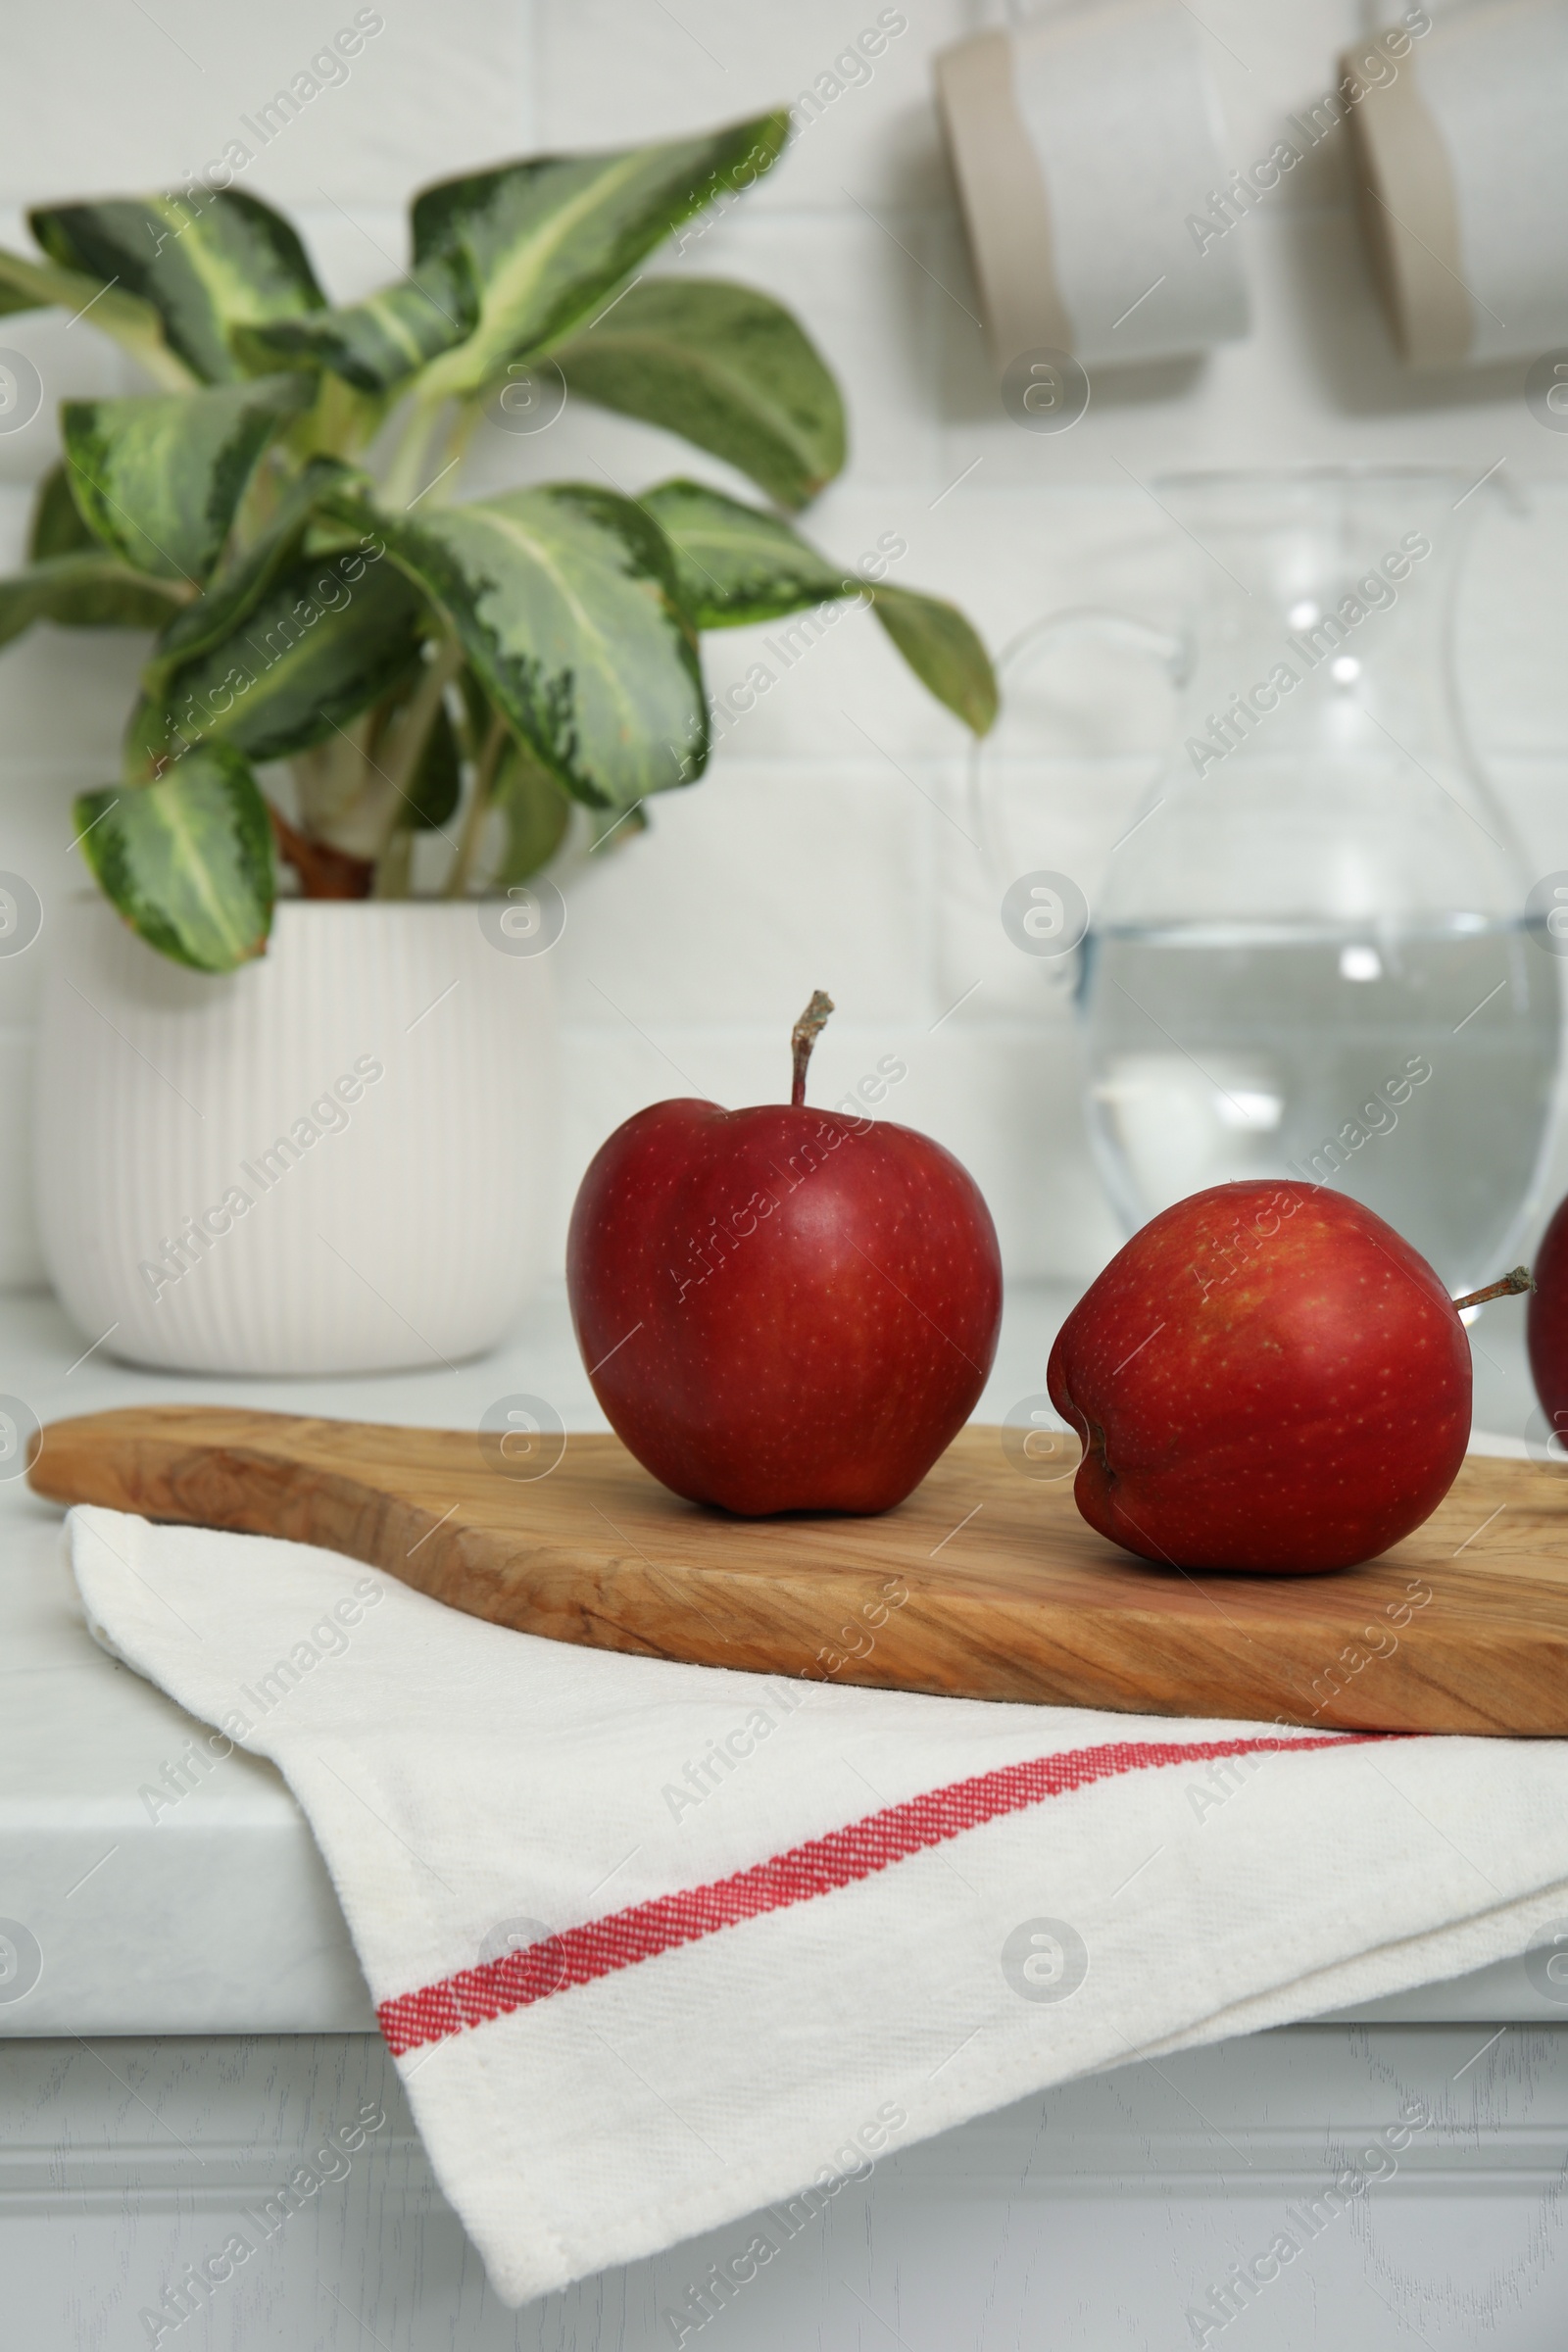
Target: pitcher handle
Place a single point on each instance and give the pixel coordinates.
(1138, 636)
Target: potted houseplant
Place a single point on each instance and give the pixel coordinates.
(313, 1132)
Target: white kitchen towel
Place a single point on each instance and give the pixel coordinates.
(659, 1946)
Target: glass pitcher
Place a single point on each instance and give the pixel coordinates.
(1309, 956)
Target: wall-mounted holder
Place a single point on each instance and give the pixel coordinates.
(1461, 169)
(1081, 141)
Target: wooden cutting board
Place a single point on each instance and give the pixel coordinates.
(985, 1584)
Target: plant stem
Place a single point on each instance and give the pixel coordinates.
(394, 873)
(456, 442)
(807, 1029)
(1509, 1287)
(389, 781)
(478, 807)
(413, 729)
(408, 464)
(329, 781)
(344, 419)
(323, 872)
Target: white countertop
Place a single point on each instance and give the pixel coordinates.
(218, 1917)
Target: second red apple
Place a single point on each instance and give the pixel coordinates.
(1266, 1377)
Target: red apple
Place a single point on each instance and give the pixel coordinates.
(1265, 1377)
(783, 1309)
(1547, 1324)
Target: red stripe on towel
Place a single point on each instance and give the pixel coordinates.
(474, 1996)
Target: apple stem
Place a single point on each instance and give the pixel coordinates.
(1509, 1286)
(804, 1036)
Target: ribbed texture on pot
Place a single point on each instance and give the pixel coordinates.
(407, 1229)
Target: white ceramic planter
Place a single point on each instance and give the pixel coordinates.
(340, 1158)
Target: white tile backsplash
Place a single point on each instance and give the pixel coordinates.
(765, 881)
(150, 95)
(834, 842)
(607, 68)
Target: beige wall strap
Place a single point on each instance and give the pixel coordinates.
(1002, 191)
(1410, 218)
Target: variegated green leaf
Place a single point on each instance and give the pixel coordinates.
(187, 860)
(58, 527)
(206, 266)
(564, 600)
(331, 637)
(735, 565)
(943, 650)
(83, 591)
(550, 239)
(28, 284)
(727, 368)
(158, 478)
(377, 343)
(235, 591)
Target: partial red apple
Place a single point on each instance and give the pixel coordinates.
(783, 1309)
(1266, 1377)
(1547, 1324)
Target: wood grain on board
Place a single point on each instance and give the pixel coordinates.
(985, 1584)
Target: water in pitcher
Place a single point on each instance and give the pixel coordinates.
(1414, 1073)
(1313, 951)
